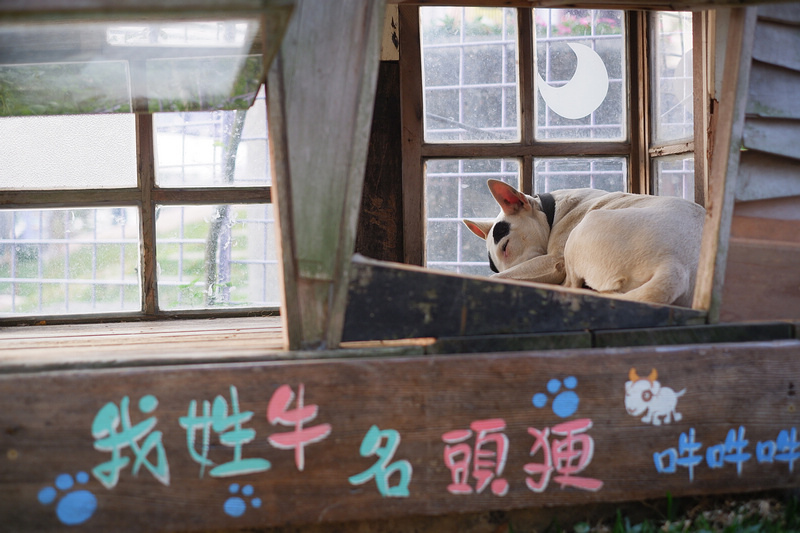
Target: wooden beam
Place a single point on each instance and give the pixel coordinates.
(22, 10)
(411, 109)
(724, 167)
(220, 446)
(321, 91)
(658, 5)
(390, 301)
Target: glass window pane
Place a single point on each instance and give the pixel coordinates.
(456, 189)
(213, 149)
(606, 173)
(469, 74)
(60, 261)
(672, 76)
(580, 75)
(674, 176)
(77, 87)
(150, 66)
(216, 256)
(68, 152)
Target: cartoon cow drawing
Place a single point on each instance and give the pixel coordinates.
(646, 396)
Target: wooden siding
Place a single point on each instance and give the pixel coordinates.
(772, 113)
(762, 280)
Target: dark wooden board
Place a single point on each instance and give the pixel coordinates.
(380, 222)
(390, 301)
(704, 334)
(745, 395)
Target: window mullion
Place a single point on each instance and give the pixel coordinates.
(701, 75)
(411, 109)
(527, 92)
(639, 82)
(145, 157)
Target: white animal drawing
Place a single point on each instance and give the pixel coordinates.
(646, 396)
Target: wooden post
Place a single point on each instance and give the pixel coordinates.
(725, 161)
(320, 96)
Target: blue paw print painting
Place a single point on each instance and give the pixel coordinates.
(566, 400)
(77, 505)
(236, 505)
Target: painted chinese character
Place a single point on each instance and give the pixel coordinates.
(573, 453)
(731, 451)
(278, 412)
(685, 455)
(785, 448)
(543, 469)
(113, 432)
(565, 456)
(383, 470)
(457, 457)
(488, 457)
(231, 433)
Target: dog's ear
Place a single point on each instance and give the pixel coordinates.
(509, 198)
(479, 227)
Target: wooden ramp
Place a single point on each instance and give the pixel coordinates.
(393, 301)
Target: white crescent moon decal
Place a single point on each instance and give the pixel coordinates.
(584, 93)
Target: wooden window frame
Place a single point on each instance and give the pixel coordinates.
(144, 197)
(636, 148)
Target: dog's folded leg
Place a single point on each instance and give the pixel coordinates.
(541, 269)
(670, 284)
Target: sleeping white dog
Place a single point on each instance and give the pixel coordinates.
(638, 247)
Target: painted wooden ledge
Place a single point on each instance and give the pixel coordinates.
(248, 445)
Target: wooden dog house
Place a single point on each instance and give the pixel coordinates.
(387, 390)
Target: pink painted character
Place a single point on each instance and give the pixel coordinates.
(566, 456)
(278, 412)
(490, 453)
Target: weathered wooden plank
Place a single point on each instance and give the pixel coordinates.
(659, 5)
(669, 336)
(764, 176)
(411, 108)
(772, 91)
(778, 211)
(775, 229)
(762, 280)
(380, 223)
(211, 447)
(123, 330)
(390, 301)
(777, 44)
(724, 166)
(510, 343)
(16, 6)
(82, 9)
(319, 153)
(705, 334)
(783, 12)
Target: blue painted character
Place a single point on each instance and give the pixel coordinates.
(231, 433)
(113, 432)
(382, 470)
